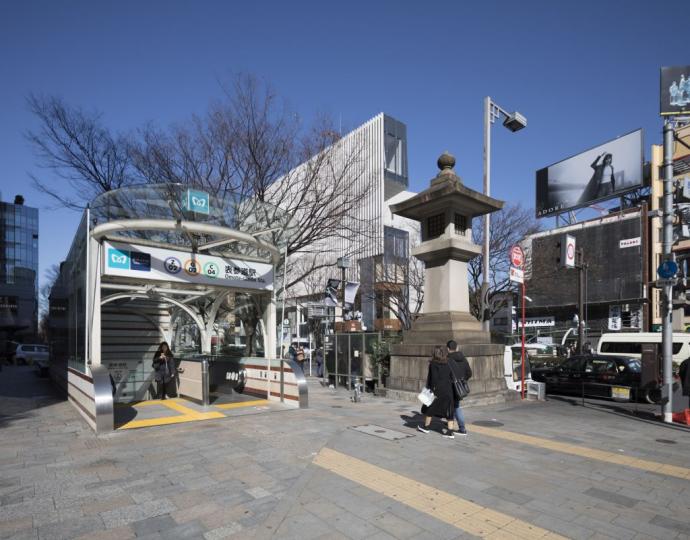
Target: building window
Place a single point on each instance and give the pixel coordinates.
(435, 225)
(394, 154)
(460, 224)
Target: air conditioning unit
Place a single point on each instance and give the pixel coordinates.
(536, 391)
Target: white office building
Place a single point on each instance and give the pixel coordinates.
(379, 257)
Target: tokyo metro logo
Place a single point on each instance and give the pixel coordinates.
(118, 259)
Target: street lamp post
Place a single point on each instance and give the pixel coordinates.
(514, 122)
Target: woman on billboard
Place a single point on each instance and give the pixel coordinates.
(602, 182)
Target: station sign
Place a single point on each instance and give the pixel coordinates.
(159, 264)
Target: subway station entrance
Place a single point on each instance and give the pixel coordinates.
(171, 263)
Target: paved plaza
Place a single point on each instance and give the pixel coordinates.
(339, 470)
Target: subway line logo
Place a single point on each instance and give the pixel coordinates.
(129, 260)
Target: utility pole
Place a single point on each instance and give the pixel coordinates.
(667, 295)
(581, 266)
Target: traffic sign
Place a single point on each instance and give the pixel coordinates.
(667, 269)
(568, 246)
(517, 275)
(517, 256)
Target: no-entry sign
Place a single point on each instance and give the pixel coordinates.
(517, 256)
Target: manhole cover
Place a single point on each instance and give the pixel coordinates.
(487, 423)
(666, 441)
(382, 432)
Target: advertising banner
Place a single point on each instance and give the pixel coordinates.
(675, 91)
(159, 264)
(604, 172)
(534, 322)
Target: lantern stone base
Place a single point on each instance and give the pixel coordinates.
(410, 359)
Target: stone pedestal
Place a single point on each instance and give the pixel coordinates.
(445, 211)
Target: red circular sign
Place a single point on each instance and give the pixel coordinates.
(517, 256)
(570, 252)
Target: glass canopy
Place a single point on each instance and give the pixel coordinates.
(188, 203)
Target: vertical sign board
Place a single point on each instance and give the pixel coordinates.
(615, 322)
(568, 251)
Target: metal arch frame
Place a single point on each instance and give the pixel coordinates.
(100, 231)
(187, 309)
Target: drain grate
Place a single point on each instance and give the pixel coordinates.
(665, 441)
(487, 423)
(381, 432)
(336, 406)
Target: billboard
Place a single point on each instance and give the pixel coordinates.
(604, 172)
(675, 91)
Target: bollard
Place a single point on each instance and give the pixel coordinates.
(204, 383)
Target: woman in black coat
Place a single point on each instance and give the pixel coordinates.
(164, 367)
(440, 382)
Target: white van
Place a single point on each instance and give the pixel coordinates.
(512, 365)
(630, 344)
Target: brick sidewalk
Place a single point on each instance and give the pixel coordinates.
(263, 475)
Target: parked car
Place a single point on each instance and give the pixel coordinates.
(595, 375)
(31, 354)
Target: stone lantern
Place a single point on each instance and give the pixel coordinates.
(445, 211)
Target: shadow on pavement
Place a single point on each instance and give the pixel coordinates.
(23, 391)
(641, 412)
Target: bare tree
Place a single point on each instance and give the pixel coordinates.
(75, 146)
(297, 185)
(508, 227)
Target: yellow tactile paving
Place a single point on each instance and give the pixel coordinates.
(240, 404)
(583, 451)
(463, 514)
(186, 415)
(167, 420)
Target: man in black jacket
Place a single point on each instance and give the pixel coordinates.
(462, 370)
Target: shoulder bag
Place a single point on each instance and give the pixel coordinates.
(460, 387)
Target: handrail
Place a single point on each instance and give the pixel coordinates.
(302, 387)
(103, 398)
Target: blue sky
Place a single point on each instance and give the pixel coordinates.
(581, 72)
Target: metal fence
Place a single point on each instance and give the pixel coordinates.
(350, 357)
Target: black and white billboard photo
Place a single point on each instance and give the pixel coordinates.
(675, 90)
(604, 172)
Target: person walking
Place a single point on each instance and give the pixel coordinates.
(319, 362)
(684, 373)
(164, 366)
(300, 357)
(459, 367)
(439, 381)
